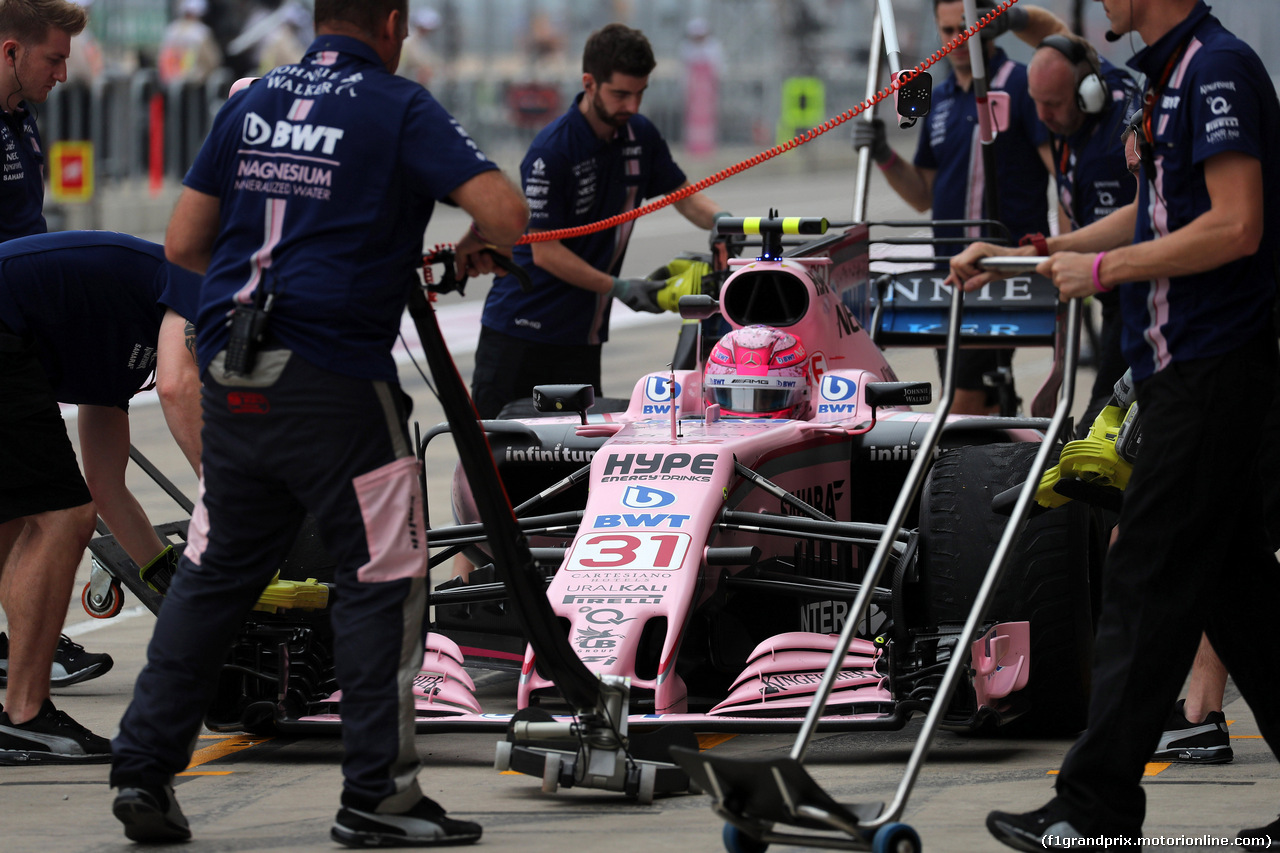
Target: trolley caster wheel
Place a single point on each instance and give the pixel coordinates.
(736, 840)
(648, 782)
(551, 773)
(109, 605)
(896, 838)
(502, 756)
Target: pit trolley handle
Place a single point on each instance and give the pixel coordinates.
(884, 548)
(1017, 522)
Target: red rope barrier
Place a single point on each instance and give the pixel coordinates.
(808, 136)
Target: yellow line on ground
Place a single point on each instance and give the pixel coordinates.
(1246, 737)
(1153, 768)
(225, 747)
(206, 773)
(706, 741)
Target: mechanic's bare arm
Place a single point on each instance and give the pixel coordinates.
(554, 257)
(697, 208)
(1229, 230)
(104, 453)
(1041, 23)
(193, 230)
(178, 384)
(500, 215)
(1110, 232)
(913, 183)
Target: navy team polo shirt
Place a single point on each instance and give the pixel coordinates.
(92, 302)
(949, 144)
(327, 173)
(1093, 180)
(1218, 98)
(571, 177)
(22, 178)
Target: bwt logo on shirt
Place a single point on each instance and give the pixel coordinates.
(286, 134)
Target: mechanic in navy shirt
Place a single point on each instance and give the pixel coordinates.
(948, 176)
(1089, 166)
(600, 159)
(84, 316)
(35, 41)
(1194, 259)
(306, 208)
(1084, 102)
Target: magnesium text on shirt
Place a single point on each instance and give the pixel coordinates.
(296, 148)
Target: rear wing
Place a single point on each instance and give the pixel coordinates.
(911, 303)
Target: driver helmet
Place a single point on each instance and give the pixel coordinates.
(758, 372)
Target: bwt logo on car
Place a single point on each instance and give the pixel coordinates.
(640, 519)
(643, 497)
(660, 389)
(835, 391)
(285, 134)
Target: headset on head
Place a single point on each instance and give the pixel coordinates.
(1091, 91)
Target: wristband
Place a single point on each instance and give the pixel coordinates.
(1097, 266)
(887, 164)
(475, 232)
(1038, 241)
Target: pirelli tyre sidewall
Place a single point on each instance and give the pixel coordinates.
(1049, 581)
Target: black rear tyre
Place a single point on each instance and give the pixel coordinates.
(1047, 581)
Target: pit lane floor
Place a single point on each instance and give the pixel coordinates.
(279, 794)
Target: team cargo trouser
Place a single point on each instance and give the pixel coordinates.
(1192, 556)
(288, 440)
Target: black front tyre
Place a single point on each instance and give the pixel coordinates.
(1047, 581)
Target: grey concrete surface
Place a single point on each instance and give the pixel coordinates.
(280, 794)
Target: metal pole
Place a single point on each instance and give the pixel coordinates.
(906, 497)
(990, 194)
(864, 154)
(1021, 510)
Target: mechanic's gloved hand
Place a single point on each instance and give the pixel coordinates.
(638, 294)
(1014, 18)
(871, 134)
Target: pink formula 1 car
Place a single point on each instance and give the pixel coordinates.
(705, 543)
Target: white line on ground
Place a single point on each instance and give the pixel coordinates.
(81, 628)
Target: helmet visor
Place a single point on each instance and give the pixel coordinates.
(755, 394)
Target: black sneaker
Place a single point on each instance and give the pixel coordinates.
(423, 825)
(71, 663)
(50, 737)
(1194, 743)
(1265, 834)
(1043, 829)
(150, 814)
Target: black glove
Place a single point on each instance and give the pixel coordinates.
(871, 134)
(1014, 18)
(638, 294)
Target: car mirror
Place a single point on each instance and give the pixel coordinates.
(564, 399)
(879, 394)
